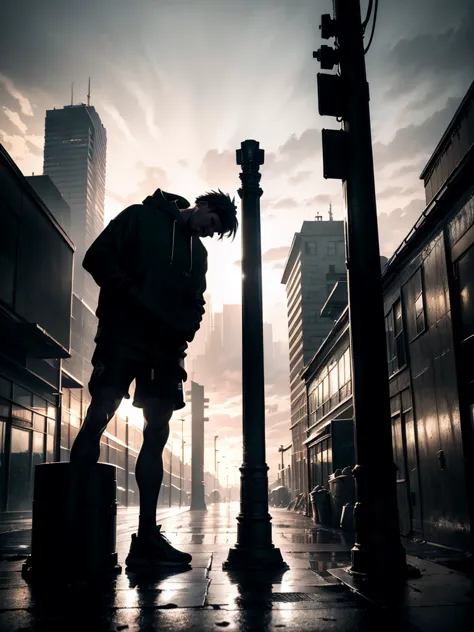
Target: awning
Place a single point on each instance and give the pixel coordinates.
(69, 381)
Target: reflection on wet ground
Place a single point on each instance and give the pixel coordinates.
(202, 597)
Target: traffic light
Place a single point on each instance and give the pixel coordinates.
(332, 100)
(339, 94)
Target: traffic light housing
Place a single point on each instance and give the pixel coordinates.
(332, 100)
(334, 143)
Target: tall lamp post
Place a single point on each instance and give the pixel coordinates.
(254, 548)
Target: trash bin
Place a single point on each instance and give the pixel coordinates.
(347, 517)
(314, 505)
(342, 492)
(77, 538)
(323, 506)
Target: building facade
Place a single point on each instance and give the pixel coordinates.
(35, 310)
(315, 261)
(429, 315)
(51, 196)
(75, 160)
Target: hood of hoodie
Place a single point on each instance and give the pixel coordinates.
(169, 202)
(172, 204)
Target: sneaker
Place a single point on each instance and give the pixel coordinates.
(155, 550)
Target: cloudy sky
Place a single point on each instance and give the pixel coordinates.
(180, 83)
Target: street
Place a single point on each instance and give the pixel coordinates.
(304, 597)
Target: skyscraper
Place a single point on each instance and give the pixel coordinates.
(315, 262)
(75, 159)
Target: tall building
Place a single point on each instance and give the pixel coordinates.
(75, 159)
(315, 262)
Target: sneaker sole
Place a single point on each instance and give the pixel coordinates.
(142, 562)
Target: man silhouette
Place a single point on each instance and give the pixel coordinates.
(150, 265)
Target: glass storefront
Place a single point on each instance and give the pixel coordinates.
(19, 488)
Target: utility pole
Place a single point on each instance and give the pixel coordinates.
(347, 155)
(198, 404)
(254, 548)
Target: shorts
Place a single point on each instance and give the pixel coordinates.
(162, 379)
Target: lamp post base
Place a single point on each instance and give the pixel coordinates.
(267, 559)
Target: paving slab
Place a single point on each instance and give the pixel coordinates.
(304, 596)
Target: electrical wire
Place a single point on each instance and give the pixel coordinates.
(367, 16)
(373, 27)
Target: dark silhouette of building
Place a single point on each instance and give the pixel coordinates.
(51, 196)
(36, 261)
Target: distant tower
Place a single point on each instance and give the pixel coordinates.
(318, 245)
(331, 216)
(75, 160)
(89, 94)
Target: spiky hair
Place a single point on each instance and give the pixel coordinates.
(225, 209)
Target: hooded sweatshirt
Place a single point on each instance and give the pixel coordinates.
(152, 276)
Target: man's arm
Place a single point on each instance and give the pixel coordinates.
(103, 258)
(198, 304)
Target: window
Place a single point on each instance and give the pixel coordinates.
(310, 248)
(331, 248)
(465, 279)
(395, 338)
(419, 314)
(347, 365)
(333, 380)
(399, 333)
(20, 474)
(326, 389)
(419, 303)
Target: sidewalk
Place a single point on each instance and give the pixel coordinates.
(305, 597)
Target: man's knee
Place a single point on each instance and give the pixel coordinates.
(104, 402)
(157, 412)
(157, 415)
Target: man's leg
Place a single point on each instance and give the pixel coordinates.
(86, 447)
(149, 468)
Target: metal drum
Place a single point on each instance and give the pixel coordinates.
(74, 520)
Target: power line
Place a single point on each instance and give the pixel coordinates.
(373, 26)
(367, 16)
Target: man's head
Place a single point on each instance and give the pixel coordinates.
(214, 213)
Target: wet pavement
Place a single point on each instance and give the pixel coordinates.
(307, 596)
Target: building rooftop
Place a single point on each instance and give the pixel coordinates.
(445, 138)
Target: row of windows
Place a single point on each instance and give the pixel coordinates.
(330, 383)
(332, 248)
(394, 323)
(22, 403)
